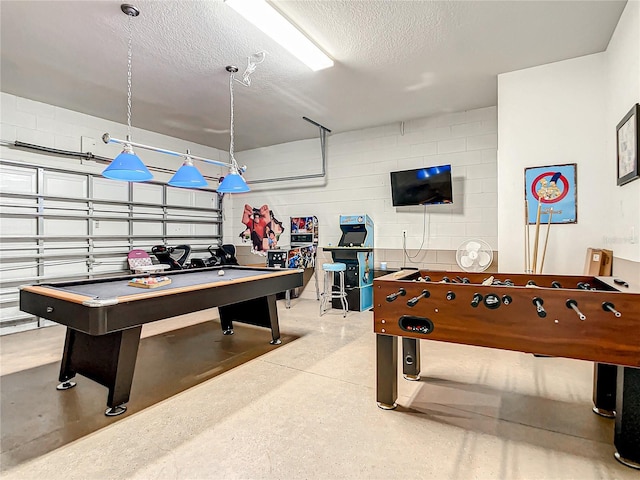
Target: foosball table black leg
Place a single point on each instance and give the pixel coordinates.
(386, 371)
(604, 389)
(627, 430)
(411, 358)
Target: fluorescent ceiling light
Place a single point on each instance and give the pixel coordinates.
(271, 22)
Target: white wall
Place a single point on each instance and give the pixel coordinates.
(566, 112)
(358, 181)
(622, 233)
(551, 115)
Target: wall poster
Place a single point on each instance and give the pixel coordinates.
(554, 188)
(263, 229)
(628, 140)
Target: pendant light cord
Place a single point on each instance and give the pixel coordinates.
(246, 81)
(233, 159)
(129, 77)
(251, 67)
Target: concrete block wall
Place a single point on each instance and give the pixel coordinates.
(423, 259)
(357, 181)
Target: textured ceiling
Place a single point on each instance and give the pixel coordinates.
(395, 61)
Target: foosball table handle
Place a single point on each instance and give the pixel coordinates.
(572, 304)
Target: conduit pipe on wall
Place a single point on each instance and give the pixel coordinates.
(90, 156)
(323, 149)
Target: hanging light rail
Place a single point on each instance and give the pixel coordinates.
(106, 138)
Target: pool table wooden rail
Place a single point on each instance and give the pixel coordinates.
(143, 294)
(101, 316)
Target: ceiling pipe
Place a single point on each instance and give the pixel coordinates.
(108, 139)
(323, 149)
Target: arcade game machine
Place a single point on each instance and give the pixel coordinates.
(301, 253)
(355, 250)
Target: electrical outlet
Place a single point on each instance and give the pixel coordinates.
(87, 144)
(404, 233)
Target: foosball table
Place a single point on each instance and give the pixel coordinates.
(581, 317)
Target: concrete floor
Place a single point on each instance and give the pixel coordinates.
(306, 409)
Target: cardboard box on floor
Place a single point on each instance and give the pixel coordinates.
(599, 262)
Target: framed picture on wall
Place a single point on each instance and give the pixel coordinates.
(553, 191)
(627, 134)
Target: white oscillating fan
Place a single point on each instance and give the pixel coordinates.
(474, 255)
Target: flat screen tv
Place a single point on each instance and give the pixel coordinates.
(422, 186)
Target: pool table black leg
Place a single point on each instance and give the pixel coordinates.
(261, 311)
(66, 369)
(273, 320)
(125, 358)
(108, 359)
(227, 313)
(227, 326)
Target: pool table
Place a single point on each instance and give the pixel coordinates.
(104, 317)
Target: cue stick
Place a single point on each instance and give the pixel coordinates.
(544, 250)
(535, 242)
(527, 245)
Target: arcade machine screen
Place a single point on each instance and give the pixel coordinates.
(353, 238)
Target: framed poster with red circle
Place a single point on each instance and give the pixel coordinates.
(553, 188)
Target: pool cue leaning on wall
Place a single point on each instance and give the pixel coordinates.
(535, 242)
(527, 245)
(546, 239)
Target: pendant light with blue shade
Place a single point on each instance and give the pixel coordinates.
(188, 176)
(127, 166)
(233, 181)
